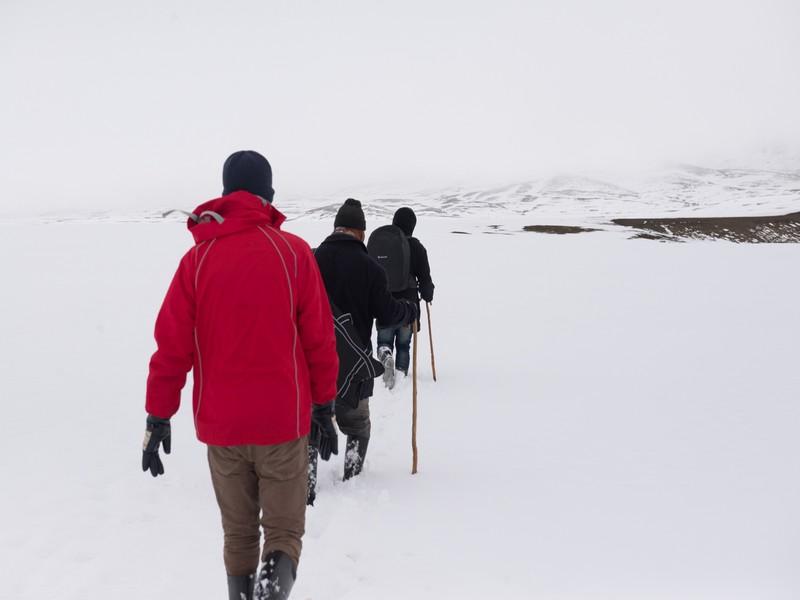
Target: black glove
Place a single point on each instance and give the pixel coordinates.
(158, 431)
(323, 435)
(413, 311)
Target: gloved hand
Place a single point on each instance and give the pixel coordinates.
(413, 310)
(157, 431)
(324, 436)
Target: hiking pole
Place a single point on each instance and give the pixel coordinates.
(414, 409)
(430, 335)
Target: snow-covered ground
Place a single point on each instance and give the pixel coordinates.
(614, 419)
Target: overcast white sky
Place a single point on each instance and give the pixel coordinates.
(123, 103)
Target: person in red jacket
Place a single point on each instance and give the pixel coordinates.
(247, 311)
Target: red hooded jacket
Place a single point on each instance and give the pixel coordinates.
(247, 310)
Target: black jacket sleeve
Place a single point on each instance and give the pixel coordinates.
(387, 311)
(421, 269)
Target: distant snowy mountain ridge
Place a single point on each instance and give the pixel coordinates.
(677, 191)
(683, 189)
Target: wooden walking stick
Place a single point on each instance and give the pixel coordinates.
(414, 409)
(430, 335)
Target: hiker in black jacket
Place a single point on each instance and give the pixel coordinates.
(399, 336)
(356, 284)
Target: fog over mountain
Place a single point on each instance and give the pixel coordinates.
(120, 105)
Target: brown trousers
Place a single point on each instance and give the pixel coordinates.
(270, 480)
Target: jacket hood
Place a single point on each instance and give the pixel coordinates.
(230, 214)
(406, 220)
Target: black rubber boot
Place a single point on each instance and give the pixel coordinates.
(313, 456)
(354, 456)
(276, 578)
(240, 587)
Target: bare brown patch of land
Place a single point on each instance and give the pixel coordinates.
(774, 229)
(557, 229)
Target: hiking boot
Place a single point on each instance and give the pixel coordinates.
(311, 493)
(387, 360)
(240, 587)
(276, 578)
(354, 456)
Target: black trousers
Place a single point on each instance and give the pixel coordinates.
(354, 421)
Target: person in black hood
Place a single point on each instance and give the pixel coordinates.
(357, 284)
(399, 336)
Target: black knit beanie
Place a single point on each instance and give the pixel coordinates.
(405, 219)
(249, 171)
(351, 216)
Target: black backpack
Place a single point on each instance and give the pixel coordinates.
(356, 364)
(389, 246)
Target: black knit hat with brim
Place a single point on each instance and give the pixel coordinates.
(405, 219)
(351, 215)
(247, 170)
